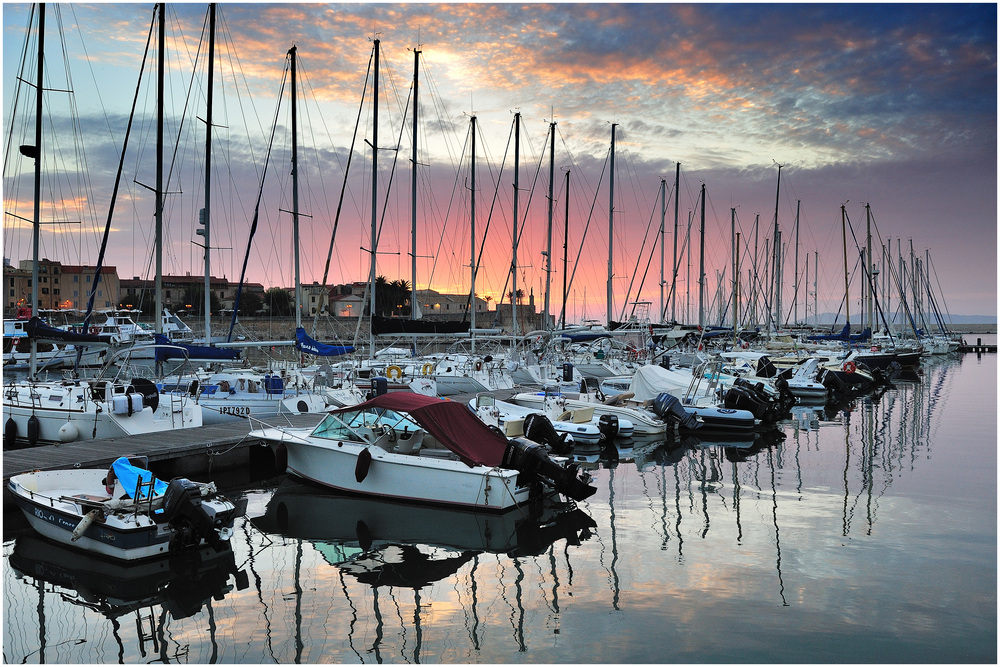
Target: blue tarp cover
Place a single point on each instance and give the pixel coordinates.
(306, 344)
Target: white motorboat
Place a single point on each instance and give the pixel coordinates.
(643, 421)
(420, 448)
(579, 423)
(123, 512)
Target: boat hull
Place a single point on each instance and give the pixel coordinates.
(420, 477)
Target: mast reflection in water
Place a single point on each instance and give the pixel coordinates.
(860, 532)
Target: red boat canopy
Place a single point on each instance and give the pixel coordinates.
(453, 424)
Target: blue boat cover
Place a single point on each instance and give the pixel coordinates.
(194, 351)
(306, 344)
(129, 476)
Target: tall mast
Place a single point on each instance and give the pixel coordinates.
(35, 231)
(663, 215)
(371, 276)
(295, 195)
(413, 230)
(548, 243)
(513, 262)
(701, 264)
(847, 282)
(565, 251)
(208, 173)
(795, 294)
(673, 280)
(869, 269)
(736, 273)
(472, 237)
(611, 224)
(776, 274)
(158, 279)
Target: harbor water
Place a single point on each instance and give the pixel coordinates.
(864, 532)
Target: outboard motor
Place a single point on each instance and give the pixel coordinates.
(668, 407)
(765, 368)
(380, 385)
(539, 428)
(531, 461)
(744, 395)
(608, 426)
(567, 372)
(192, 519)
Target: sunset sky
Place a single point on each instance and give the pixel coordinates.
(890, 105)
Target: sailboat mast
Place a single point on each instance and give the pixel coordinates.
(472, 237)
(663, 215)
(413, 194)
(565, 251)
(673, 279)
(35, 231)
(548, 243)
(371, 275)
(847, 281)
(795, 294)
(869, 269)
(701, 264)
(513, 261)
(295, 195)
(611, 225)
(776, 273)
(208, 173)
(160, 67)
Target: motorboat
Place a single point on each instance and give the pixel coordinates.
(413, 447)
(579, 424)
(643, 422)
(124, 512)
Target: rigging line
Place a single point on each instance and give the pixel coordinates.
(114, 196)
(534, 182)
(454, 191)
(17, 89)
(343, 188)
(648, 262)
(489, 216)
(590, 216)
(256, 213)
(388, 185)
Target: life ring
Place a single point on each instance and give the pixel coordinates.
(427, 369)
(850, 367)
(745, 345)
(394, 372)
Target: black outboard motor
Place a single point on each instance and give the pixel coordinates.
(668, 407)
(744, 395)
(531, 461)
(539, 428)
(192, 519)
(765, 368)
(608, 426)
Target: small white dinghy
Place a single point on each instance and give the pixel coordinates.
(124, 512)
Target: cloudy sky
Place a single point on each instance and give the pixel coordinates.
(888, 105)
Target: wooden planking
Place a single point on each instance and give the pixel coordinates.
(157, 446)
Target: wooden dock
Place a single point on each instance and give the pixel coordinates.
(186, 451)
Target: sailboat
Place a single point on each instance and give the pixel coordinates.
(63, 411)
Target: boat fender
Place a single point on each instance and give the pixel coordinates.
(280, 459)
(363, 464)
(850, 367)
(479, 365)
(364, 535)
(68, 432)
(33, 427)
(9, 433)
(109, 481)
(84, 524)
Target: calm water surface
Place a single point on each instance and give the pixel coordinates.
(868, 533)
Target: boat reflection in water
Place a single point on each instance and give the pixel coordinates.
(155, 590)
(386, 543)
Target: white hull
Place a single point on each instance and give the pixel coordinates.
(411, 477)
(66, 413)
(643, 423)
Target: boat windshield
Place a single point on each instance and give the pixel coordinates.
(343, 426)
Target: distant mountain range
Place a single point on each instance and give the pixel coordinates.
(832, 318)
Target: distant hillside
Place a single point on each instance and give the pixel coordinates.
(830, 318)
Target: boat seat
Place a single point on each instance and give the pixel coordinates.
(582, 415)
(618, 398)
(513, 428)
(409, 441)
